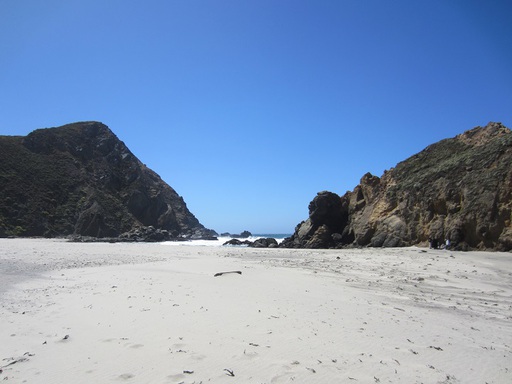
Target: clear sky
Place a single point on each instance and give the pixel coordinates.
(248, 108)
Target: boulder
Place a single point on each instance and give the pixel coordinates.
(324, 227)
(264, 243)
(237, 242)
(258, 243)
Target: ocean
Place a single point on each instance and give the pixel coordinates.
(221, 240)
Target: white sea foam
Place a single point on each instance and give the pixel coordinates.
(223, 239)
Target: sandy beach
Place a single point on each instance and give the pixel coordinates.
(155, 313)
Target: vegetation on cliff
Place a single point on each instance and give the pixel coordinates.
(458, 189)
(81, 179)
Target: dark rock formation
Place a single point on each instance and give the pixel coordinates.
(243, 235)
(263, 242)
(326, 218)
(237, 242)
(458, 189)
(80, 179)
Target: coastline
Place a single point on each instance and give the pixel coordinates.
(146, 312)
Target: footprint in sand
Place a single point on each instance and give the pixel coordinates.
(198, 356)
(178, 377)
(283, 378)
(126, 376)
(250, 354)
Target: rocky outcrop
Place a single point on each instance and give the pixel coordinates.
(80, 179)
(238, 243)
(263, 242)
(243, 235)
(326, 221)
(458, 189)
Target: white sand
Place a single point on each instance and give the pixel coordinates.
(153, 313)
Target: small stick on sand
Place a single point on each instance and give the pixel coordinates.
(229, 372)
(224, 273)
(19, 360)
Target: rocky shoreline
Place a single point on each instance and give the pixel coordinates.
(458, 190)
(143, 235)
(80, 181)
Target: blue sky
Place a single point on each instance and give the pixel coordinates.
(249, 108)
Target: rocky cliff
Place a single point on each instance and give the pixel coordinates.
(81, 179)
(458, 189)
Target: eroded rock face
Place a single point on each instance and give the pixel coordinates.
(81, 179)
(458, 188)
(327, 218)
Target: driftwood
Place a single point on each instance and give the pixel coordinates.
(224, 273)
